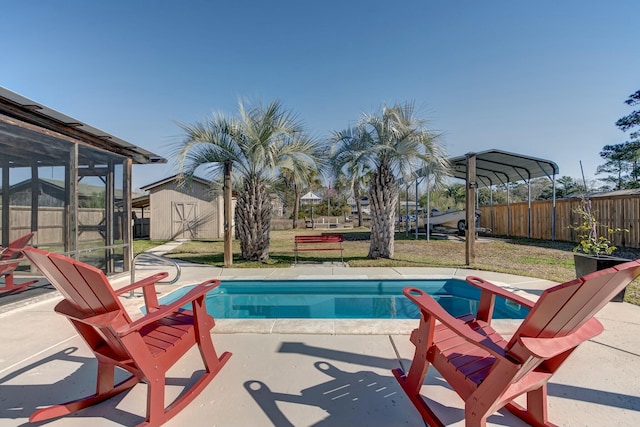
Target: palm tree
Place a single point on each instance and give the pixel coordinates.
(260, 143)
(351, 161)
(291, 195)
(457, 193)
(295, 180)
(396, 143)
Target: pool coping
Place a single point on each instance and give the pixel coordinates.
(336, 326)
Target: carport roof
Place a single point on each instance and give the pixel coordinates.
(500, 167)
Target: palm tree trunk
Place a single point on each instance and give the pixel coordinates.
(296, 205)
(253, 221)
(383, 196)
(358, 197)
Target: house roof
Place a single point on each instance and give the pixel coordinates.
(310, 196)
(22, 119)
(618, 193)
(170, 179)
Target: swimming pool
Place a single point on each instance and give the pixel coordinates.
(341, 299)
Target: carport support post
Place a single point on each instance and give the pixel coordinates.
(228, 252)
(470, 237)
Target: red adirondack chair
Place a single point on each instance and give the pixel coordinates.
(13, 252)
(146, 347)
(489, 372)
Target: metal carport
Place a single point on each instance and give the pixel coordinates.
(495, 167)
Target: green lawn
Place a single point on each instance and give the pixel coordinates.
(145, 245)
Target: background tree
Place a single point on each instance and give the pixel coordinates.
(457, 193)
(566, 186)
(290, 193)
(261, 142)
(495, 195)
(632, 120)
(621, 165)
(95, 200)
(293, 181)
(340, 197)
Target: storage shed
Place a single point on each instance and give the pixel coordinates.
(184, 210)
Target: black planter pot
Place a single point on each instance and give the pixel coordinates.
(586, 264)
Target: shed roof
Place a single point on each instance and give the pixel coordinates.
(171, 179)
(141, 202)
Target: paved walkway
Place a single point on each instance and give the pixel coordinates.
(293, 373)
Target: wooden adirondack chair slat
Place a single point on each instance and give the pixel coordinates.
(146, 348)
(91, 299)
(487, 371)
(606, 292)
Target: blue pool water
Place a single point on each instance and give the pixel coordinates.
(341, 299)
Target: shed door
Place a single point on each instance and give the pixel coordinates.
(183, 220)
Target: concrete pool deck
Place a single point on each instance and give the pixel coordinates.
(288, 372)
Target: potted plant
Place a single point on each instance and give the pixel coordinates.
(594, 248)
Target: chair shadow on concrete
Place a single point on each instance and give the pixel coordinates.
(30, 387)
(21, 396)
(345, 396)
(355, 386)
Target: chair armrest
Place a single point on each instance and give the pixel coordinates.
(148, 290)
(162, 311)
(546, 348)
(151, 280)
(430, 307)
(488, 293)
(486, 286)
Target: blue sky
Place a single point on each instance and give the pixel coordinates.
(544, 78)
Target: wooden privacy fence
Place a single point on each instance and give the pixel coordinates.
(612, 212)
(51, 224)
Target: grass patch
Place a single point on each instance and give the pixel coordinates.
(546, 261)
(145, 245)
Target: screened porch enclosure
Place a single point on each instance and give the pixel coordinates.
(67, 182)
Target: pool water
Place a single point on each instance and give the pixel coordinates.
(341, 299)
